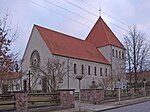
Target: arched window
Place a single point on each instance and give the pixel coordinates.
(95, 71)
(116, 54)
(89, 71)
(75, 69)
(113, 52)
(106, 72)
(101, 72)
(82, 69)
(120, 54)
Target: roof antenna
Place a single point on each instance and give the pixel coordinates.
(99, 12)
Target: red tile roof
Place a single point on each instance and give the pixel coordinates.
(65, 45)
(101, 35)
(10, 76)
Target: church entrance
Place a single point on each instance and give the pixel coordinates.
(4, 88)
(25, 85)
(44, 84)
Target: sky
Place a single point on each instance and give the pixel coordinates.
(74, 17)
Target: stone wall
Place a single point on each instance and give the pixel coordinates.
(95, 96)
(67, 98)
(21, 101)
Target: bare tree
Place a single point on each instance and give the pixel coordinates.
(104, 82)
(54, 71)
(137, 50)
(118, 74)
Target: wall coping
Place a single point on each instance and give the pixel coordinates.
(90, 89)
(66, 90)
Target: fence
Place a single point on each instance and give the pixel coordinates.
(22, 101)
(43, 99)
(100, 96)
(7, 102)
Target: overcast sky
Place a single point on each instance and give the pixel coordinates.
(75, 17)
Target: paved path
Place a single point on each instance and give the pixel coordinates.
(112, 106)
(140, 107)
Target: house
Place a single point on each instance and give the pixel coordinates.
(141, 76)
(101, 54)
(10, 82)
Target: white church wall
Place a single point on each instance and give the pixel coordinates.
(118, 64)
(106, 52)
(87, 80)
(111, 53)
(35, 43)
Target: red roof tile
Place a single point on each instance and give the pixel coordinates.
(10, 76)
(101, 35)
(65, 45)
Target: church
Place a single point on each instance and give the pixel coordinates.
(101, 55)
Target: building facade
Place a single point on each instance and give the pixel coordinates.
(10, 82)
(100, 55)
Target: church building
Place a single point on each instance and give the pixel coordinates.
(101, 55)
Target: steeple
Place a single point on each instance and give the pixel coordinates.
(101, 35)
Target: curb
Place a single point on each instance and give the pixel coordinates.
(124, 105)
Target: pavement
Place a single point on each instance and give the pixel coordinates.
(86, 107)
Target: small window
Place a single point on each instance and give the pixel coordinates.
(113, 53)
(95, 71)
(89, 71)
(105, 71)
(116, 54)
(120, 54)
(75, 69)
(82, 69)
(101, 72)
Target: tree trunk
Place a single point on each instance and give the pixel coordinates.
(79, 95)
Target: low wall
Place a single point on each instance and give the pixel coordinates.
(95, 96)
(21, 101)
(67, 98)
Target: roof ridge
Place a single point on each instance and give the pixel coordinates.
(112, 33)
(105, 31)
(74, 37)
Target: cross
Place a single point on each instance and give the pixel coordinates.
(29, 73)
(100, 12)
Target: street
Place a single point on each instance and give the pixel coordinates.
(140, 107)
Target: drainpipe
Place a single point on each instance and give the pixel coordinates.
(111, 70)
(68, 73)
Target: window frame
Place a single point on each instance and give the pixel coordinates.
(106, 72)
(95, 71)
(89, 70)
(113, 53)
(75, 68)
(82, 69)
(101, 71)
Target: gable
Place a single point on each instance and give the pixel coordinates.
(37, 43)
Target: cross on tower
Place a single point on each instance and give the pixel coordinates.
(100, 12)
